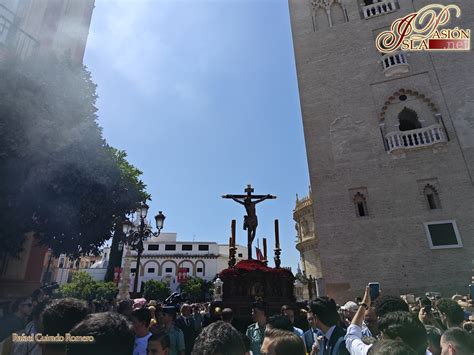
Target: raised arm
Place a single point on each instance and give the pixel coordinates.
(233, 198)
(264, 198)
(353, 337)
(360, 314)
(238, 201)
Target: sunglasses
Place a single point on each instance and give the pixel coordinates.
(27, 304)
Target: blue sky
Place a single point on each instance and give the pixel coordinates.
(203, 96)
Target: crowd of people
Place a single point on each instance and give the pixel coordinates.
(388, 325)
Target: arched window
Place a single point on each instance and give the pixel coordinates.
(432, 197)
(304, 228)
(360, 203)
(408, 120)
(337, 13)
(320, 18)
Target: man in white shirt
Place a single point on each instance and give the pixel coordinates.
(141, 321)
(409, 329)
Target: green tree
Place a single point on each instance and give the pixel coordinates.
(58, 176)
(106, 291)
(83, 286)
(131, 183)
(156, 290)
(196, 289)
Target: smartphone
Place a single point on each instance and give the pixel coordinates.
(471, 289)
(427, 309)
(374, 288)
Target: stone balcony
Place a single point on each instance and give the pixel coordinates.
(395, 63)
(303, 203)
(378, 8)
(416, 138)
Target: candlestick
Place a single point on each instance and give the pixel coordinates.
(232, 228)
(265, 249)
(232, 247)
(277, 258)
(277, 235)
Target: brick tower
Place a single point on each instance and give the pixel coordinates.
(390, 149)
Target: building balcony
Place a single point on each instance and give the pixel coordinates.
(303, 203)
(395, 63)
(310, 242)
(13, 40)
(379, 8)
(416, 138)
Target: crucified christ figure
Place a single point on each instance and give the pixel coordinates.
(250, 220)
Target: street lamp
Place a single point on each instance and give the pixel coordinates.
(136, 235)
(159, 220)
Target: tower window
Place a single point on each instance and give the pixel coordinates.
(408, 120)
(432, 197)
(443, 234)
(360, 203)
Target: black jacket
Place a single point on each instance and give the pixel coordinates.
(335, 336)
(189, 332)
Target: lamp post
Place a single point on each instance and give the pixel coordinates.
(135, 235)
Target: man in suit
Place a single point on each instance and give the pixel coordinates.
(324, 311)
(312, 334)
(185, 322)
(197, 317)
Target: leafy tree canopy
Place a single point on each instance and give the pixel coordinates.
(58, 176)
(196, 289)
(82, 286)
(156, 290)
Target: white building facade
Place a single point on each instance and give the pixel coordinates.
(223, 259)
(163, 257)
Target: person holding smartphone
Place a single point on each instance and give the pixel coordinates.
(395, 324)
(353, 338)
